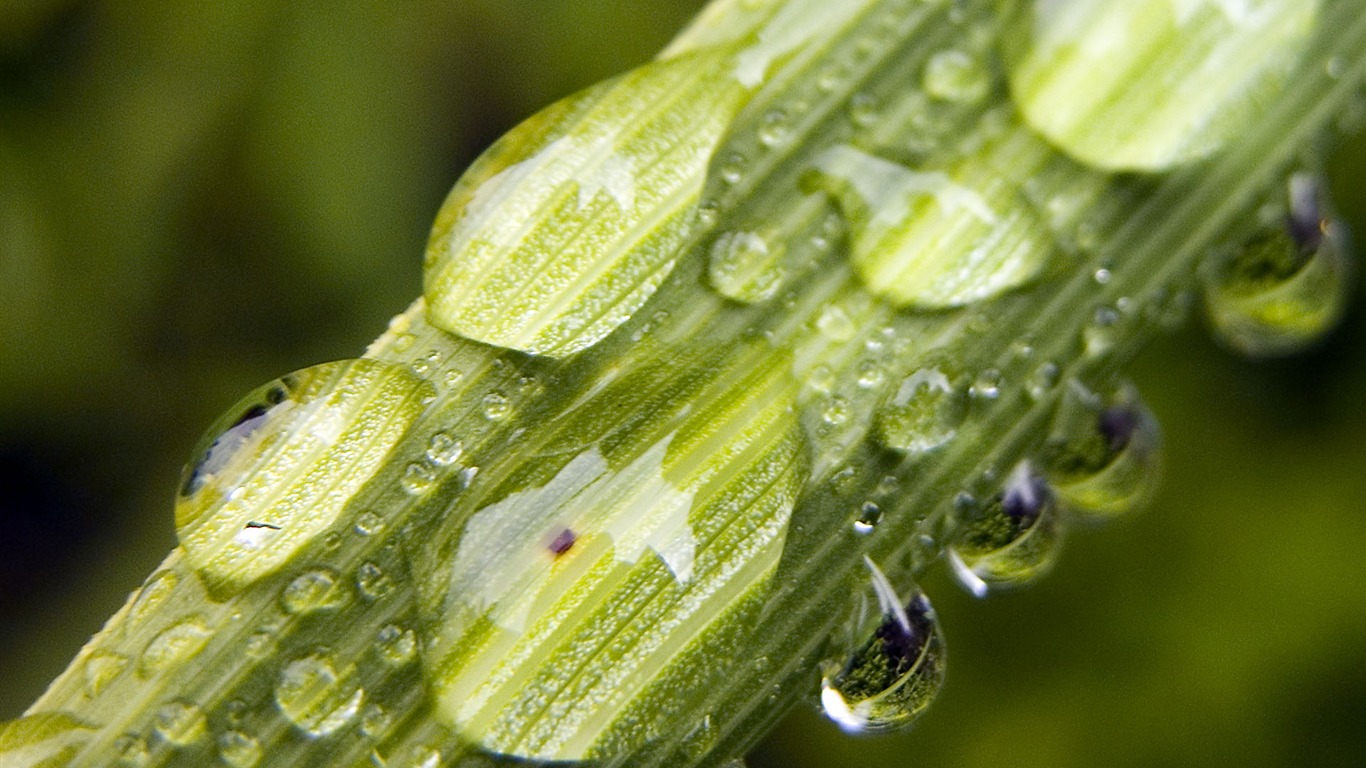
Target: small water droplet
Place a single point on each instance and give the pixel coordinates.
(418, 478)
(368, 523)
(870, 514)
(101, 669)
(496, 407)
(863, 109)
(871, 374)
(732, 168)
(314, 590)
(957, 76)
(895, 665)
(375, 721)
(834, 323)
(315, 698)
(180, 723)
(1010, 540)
(260, 644)
(922, 414)
(821, 378)
(153, 594)
(424, 757)
(773, 129)
(239, 749)
(396, 645)
(1043, 380)
(1102, 276)
(1103, 455)
(1289, 284)
(372, 582)
(744, 266)
(1102, 333)
(132, 751)
(444, 450)
(987, 385)
(174, 645)
(836, 410)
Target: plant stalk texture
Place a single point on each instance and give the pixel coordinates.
(713, 361)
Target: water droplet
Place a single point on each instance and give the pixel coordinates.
(1010, 540)
(821, 378)
(987, 385)
(1102, 276)
(922, 414)
(153, 594)
(1289, 285)
(132, 751)
(314, 590)
(871, 374)
(375, 721)
(396, 645)
(1102, 333)
(368, 523)
(955, 75)
(1151, 84)
(732, 168)
(101, 669)
(834, 323)
(424, 757)
(773, 129)
(373, 582)
(745, 267)
(895, 667)
(315, 698)
(496, 407)
(278, 469)
(836, 410)
(863, 109)
(180, 723)
(870, 514)
(260, 644)
(42, 740)
(1103, 455)
(174, 645)
(1043, 380)
(444, 450)
(239, 750)
(418, 478)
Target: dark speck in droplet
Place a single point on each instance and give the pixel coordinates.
(903, 643)
(563, 543)
(1025, 496)
(1117, 425)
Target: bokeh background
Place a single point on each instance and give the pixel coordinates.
(198, 197)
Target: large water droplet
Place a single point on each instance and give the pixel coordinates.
(922, 413)
(278, 469)
(938, 237)
(1149, 84)
(315, 697)
(315, 590)
(174, 645)
(895, 667)
(1289, 285)
(42, 740)
(1010, 540)
(1103, 455)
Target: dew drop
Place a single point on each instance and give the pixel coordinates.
(424, 757)
(836, 411)
(368, 523)
(174, 645)
(987, 385)
(774, 128)
(834, 323)
(863, 109)
(418, 478)
(821, 378)
(372, 582)
(239, 750)
(1042, 380)
(871, 374)
(1289, 284)
(957, 76)
(746, 267)
(444, 450)
(894, 666)
(42, 740)
(396, 645)
(314, 590)
(375, 721)
(315, 698)
(180, 723)
(1010, 540)
(922, 414)
(278, 468)
(101, 669)
(1103, 455)
(732, 168)
(870, 514)
(153, 595)
(496, 406)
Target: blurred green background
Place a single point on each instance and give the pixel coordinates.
(198, 197)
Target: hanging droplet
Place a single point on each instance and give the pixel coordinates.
(180, 723)
(1010, 540)
(936, 238)
(174, 645)
(746, 266)
(1150, 84)
(922, 413)
(42, 740)
(239, 750)
(1289, 285)
(315, 697)
(1103, 456)
(278, 469)
(895, 667)
(315, 590)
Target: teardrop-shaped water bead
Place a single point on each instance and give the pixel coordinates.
(567, 225)
(1010, 540)
(893, 668)
(922, 413)
(1103, 456)
(42, 740)
(280, 466)
(1289, 284)
(1149, 84)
